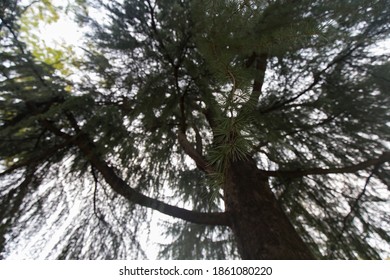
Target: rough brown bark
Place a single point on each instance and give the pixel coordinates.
(261, 228)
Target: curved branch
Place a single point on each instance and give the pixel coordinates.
(87, 147)
(385, 157)
(123, 189)
(188, 148)
(317, 78)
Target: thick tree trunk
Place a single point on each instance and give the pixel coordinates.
(261, 228)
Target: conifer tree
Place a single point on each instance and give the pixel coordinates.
(260, 128)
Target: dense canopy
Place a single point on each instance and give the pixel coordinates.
(260, 128)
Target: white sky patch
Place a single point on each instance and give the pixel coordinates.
(63, 31)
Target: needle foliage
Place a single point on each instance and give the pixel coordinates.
(166, 97)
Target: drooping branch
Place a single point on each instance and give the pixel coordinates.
(317, 78)
(12, 203)
(39, 157)
(354, 207)
(119, 186)
(385, 157)
(156, 35)
(24, 53)
(122, 188)
(95, 210)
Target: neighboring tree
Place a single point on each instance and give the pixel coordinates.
(261, 127)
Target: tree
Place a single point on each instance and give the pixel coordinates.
(261, 127)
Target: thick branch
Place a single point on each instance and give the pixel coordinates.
(123, 189)
(385, 157)
(260, 61)
(261, 66)
(198, 138)
(188, 148)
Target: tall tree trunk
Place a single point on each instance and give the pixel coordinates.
(261, 228)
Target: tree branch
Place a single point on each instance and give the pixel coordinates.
(260, 61)
(25, 54)
(155, 31)
(354, 207)
(261, 67)
(122, 188)
(198, 138)
(188, 148)
(48, 153)
(316, 79)
(95, 210)
(385, 157)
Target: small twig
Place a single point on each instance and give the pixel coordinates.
(95, 210)
(349, 217)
